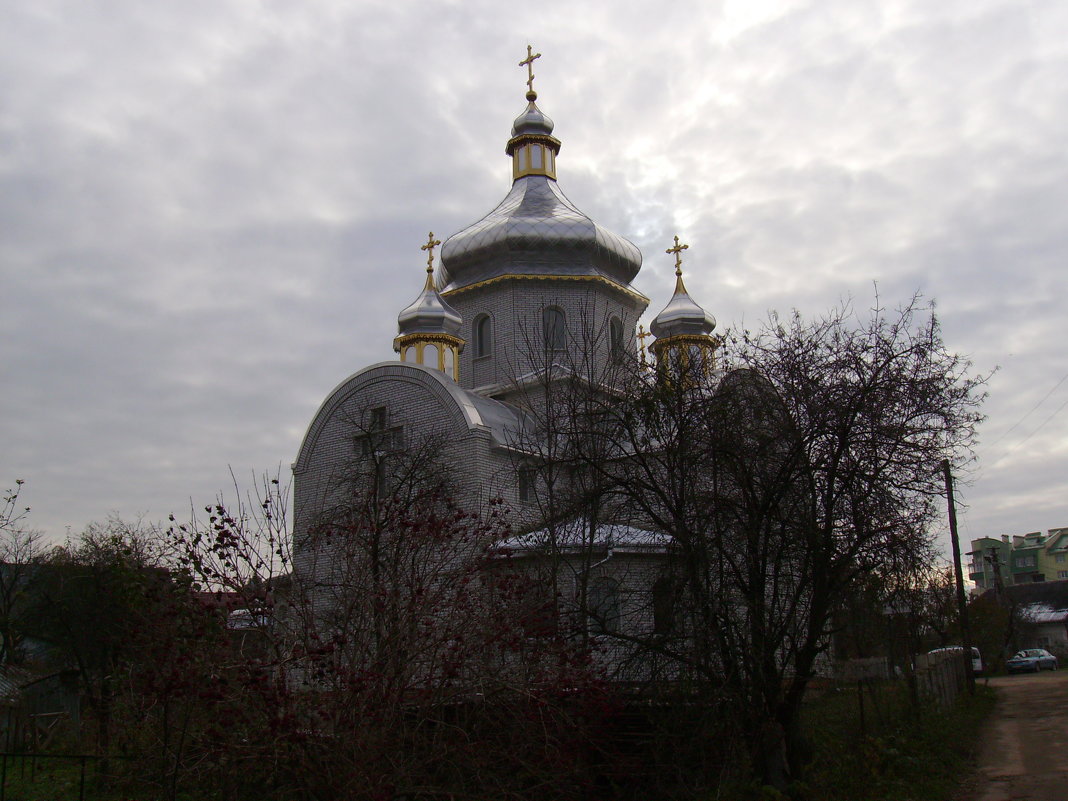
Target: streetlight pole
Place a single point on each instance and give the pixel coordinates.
(962, 607)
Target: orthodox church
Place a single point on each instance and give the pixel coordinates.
(532, 289)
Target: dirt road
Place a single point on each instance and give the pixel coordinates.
(1024, 751)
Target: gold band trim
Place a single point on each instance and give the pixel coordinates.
(596, 279)
(701, 340)
(532, 138)
(442, 342)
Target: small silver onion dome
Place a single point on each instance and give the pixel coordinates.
(682, 315)
(429, 314)
(533, 120)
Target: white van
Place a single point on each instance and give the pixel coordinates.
(977, 658)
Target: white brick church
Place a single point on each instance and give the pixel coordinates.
(532, 294)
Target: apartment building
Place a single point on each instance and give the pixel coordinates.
(1019, 559)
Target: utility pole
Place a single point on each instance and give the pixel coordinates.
(962, 607)
(999, 583)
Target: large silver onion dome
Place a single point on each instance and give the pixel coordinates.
(682, 316)
(536, 230)
(429, 314)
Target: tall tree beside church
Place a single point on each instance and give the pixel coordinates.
(809, 465)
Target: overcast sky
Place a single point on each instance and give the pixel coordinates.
(211, 210)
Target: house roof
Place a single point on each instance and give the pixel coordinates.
(13, 679)
(1039, 601)
(1057, 540)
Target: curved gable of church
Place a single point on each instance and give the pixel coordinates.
(418, 395)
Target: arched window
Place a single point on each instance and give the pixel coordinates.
(602, 604)
(430, 356)
(615, 339)
(483, 336)
(554, 327)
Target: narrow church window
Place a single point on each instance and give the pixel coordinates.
(615, 339)
(383, 478)
(483, 336)
(526, 484)
(664, 605)
(697, 359)
(678, 361)
(535, 156)
(377, 419)
(554, 328)
(602, 603)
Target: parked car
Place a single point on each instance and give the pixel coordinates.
(1032, 660)
(977, 659)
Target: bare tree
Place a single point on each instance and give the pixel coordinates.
(20, 549)
(94, 602)
(574, 514)
(782, 482)
(395, 660)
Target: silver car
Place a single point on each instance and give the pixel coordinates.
(1032, 660)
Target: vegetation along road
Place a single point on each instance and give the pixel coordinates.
(1024, 751)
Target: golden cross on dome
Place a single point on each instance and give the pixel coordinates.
(431, 243)
(528, 62)
(642, 334)
(677, 250)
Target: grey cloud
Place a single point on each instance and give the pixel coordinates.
(210, 213)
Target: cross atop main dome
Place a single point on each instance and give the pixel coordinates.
(535, 231)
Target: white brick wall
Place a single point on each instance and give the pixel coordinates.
(515, 307)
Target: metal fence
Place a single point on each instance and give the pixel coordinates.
(867, 697)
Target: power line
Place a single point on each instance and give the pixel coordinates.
(1043, 423)
(1019, 444)
(1016, 425)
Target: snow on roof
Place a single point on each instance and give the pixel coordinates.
(1041, 613)
(577, 533)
